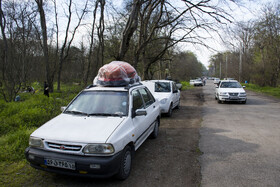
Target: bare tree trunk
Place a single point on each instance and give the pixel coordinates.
(90, 60)
(45, 42)
(130, 27)
(67, 44)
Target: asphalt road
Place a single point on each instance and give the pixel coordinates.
(240, 143)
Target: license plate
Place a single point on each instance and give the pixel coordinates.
(60, 163)
(234, 97)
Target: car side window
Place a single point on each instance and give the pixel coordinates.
(137, 100)
(147, 97)
(174, 87)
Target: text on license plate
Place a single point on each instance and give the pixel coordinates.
(60, 163)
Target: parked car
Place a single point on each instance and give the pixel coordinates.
(97, 133)
(216, 80)
(230, 90)
(192, 82)
(196, 82)
(166, 92)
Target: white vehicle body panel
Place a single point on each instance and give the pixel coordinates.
(76, 128)
(168, 97)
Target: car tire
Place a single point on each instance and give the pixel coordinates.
(169, 113)
(219, 101)
(125, 167)
(244, 102)
(178, 106)
(155, 132)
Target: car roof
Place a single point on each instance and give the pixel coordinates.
(112, 88)
(229, 81)
(158, 81)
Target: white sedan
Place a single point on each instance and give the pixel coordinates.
(166, 92)
(216, 80)
(230, 90)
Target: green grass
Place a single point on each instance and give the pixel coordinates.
(186, 85)
(18, 120)
(266, 90)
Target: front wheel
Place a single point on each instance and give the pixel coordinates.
(155, 132)
(178, 106)
(125, 163)
(169, 113)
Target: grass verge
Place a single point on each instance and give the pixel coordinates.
(266, 90)
(18, 120)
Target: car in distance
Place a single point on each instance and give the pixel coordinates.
(230, 90)
(196, 82)
(216, 80)
(97, 133)
(166, 92)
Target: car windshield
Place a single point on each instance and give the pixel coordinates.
(100, 103)
(230, 85)
(162, 87)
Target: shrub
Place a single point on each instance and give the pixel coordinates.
(12, 145)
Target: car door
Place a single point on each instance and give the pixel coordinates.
(175, 94)
(142, 124)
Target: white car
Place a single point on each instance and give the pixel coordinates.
(166, 92)
(97, 133)
(216, 80)
(230, 90)
(198, 82)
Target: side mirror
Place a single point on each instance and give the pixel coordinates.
(140, 112)
(63, 108)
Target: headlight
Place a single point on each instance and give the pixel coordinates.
(242, 93)
(223, 93)
(163, 101)
(98, 149)
(36, 142)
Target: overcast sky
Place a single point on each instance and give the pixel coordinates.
(249, 10)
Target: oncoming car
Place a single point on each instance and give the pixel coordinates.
(230, 90)
(97, 133)
(166, 92)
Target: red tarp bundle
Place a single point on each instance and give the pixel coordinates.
(116, 73)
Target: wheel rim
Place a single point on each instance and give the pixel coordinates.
(170, 110)
(156, 128)
(127, 162)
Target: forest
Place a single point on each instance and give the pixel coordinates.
(253, 50)
(67, 41)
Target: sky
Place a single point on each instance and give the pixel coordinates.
(249, 10)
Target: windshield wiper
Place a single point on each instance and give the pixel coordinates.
(103, 114)
(75, 112)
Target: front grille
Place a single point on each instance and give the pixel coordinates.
(64, 147)
(233, 94)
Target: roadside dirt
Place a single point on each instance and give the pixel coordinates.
(169, 160)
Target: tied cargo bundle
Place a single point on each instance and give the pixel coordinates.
(116, 73)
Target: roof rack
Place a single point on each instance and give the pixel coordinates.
(91, 86)
(127, 87)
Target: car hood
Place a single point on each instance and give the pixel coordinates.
(231, 90)
(82, 129)
(161, 95)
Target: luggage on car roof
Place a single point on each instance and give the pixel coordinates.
(116, 73)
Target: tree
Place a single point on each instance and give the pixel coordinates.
(64, 50)
(45, 43)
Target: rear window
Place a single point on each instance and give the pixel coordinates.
(162, 87)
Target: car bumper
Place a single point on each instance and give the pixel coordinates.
(232, 98)
(109, 165)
